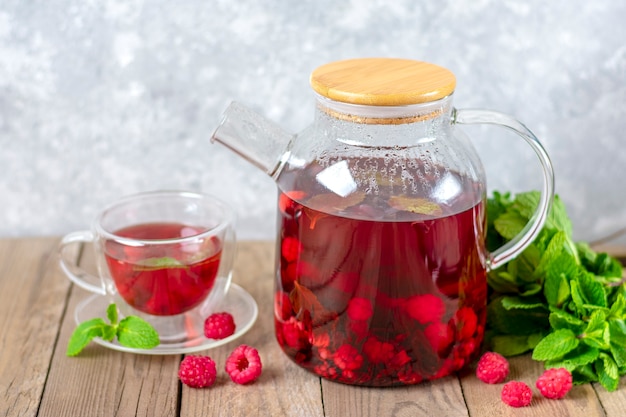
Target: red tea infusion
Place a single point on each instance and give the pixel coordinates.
(159, 279)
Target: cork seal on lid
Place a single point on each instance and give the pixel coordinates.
(383, 81)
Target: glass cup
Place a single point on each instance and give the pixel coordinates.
(165, 256)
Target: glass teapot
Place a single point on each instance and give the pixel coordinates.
(380, 259)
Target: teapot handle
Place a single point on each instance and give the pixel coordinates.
(528, 234)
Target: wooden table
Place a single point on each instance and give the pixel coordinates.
(36, 378)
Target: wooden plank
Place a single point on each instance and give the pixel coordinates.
(614, 403)
(283, 389)
(484, 399)
(104, 382)
(32, 298)
(439, 398)
(35, 298)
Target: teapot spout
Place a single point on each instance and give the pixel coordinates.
(256, 139)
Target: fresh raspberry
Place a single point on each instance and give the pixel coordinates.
(492, 368)
(399, 360)
(360, 308)
(467, 322)
(244, 365)
(291, 248)
(440, 336)
(294, 333)
(219, 325)
(426, 308)
(554, 383)
(466, 348)
(347, 358)
(378, 351)
(197, 371)
(516, 394)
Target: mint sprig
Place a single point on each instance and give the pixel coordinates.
(131, 331)
(558, 299)
(152, 264)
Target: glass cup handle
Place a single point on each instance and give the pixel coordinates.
(76, 274)
(528, 234)
(224, 274)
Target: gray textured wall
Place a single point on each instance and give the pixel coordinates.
(99, 99)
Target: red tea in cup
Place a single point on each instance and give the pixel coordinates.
(162, 279)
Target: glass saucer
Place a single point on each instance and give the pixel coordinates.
(240, 304)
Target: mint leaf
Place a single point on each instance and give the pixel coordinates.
(516, 321)
(527, 263)
(526, 203)
(606, 265)
(534, 339)
(608, 373)
(112, 313)
(135, 332)
(502, 281)
(510, 224)
(496, 206)
(586, 255)
(583, 374)
(556, 247)
(558, 218)
(618, 308)
(84, 333)
(556, 284)
(531, 289)
(577, 297)
(617, 331)
(512, 345)
(560, 319)
(517, 275)
(592, 291)
(524, 303)
(555, 288)
(581, 356)
(109, 333)
(597, 334)
(150, 264)
(555, 345)
(132, 331)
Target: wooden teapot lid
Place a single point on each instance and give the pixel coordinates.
(383, 81)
